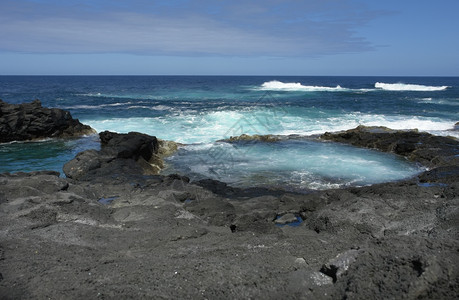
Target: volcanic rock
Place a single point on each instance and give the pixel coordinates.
(116, 233)
(31, 121)
(422, 147)
(120, 155)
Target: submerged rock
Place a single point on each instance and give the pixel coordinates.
(31, 121)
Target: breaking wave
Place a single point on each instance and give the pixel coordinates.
(408, 87)
(94, 106)
(276, 85)
(204, 127)
(296, 86)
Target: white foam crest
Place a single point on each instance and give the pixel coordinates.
(162, 107)
(408, 87)
(139, 106)
(188, 127)
(127, 96)
(276, 85)
(90, 95)
(118, 104)
(441, 101)
(94, 106)
(82, 107)
(405, 122)
(158, 107)
(302, 126)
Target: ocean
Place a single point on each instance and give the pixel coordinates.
(199, 111)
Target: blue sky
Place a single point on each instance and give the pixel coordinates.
(237, 37)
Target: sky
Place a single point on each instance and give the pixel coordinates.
(230, 37)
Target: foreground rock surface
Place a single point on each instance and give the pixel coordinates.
(153, 236)
(31, 121)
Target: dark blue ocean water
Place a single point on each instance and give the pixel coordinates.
(199, 110)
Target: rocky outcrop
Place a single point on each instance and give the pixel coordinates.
(429, 150)
(31, 121)
(245, 138)
(120, 155)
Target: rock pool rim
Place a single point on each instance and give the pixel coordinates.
(324, 182)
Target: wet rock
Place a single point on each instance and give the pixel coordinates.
(31, 121)
(120, 155)
(132, 145)
(422, 147)
(217, 187)
(445, 175)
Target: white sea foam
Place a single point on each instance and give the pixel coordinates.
(94, 106)
(407, 122)
(352, 120)
(441, 101)
(276, 85)
(296, 86)
(82, 107)
(118, 104)
(192, 127)
(408, 87)
(121, 96)
(157, 107)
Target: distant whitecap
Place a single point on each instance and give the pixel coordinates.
(408, 87)
(296, 86)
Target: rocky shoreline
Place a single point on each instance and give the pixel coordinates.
(31, 121)
(114, 228)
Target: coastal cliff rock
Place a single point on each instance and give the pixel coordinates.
(31, 121)
(120, 155)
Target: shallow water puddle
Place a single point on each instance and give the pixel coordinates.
(107, 200)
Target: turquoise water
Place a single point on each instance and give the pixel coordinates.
(44, 155)
(199, 110)
(293, 164)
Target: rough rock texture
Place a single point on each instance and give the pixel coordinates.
(31, 121)
(120, 155)
(137, 236)
(422, 147)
